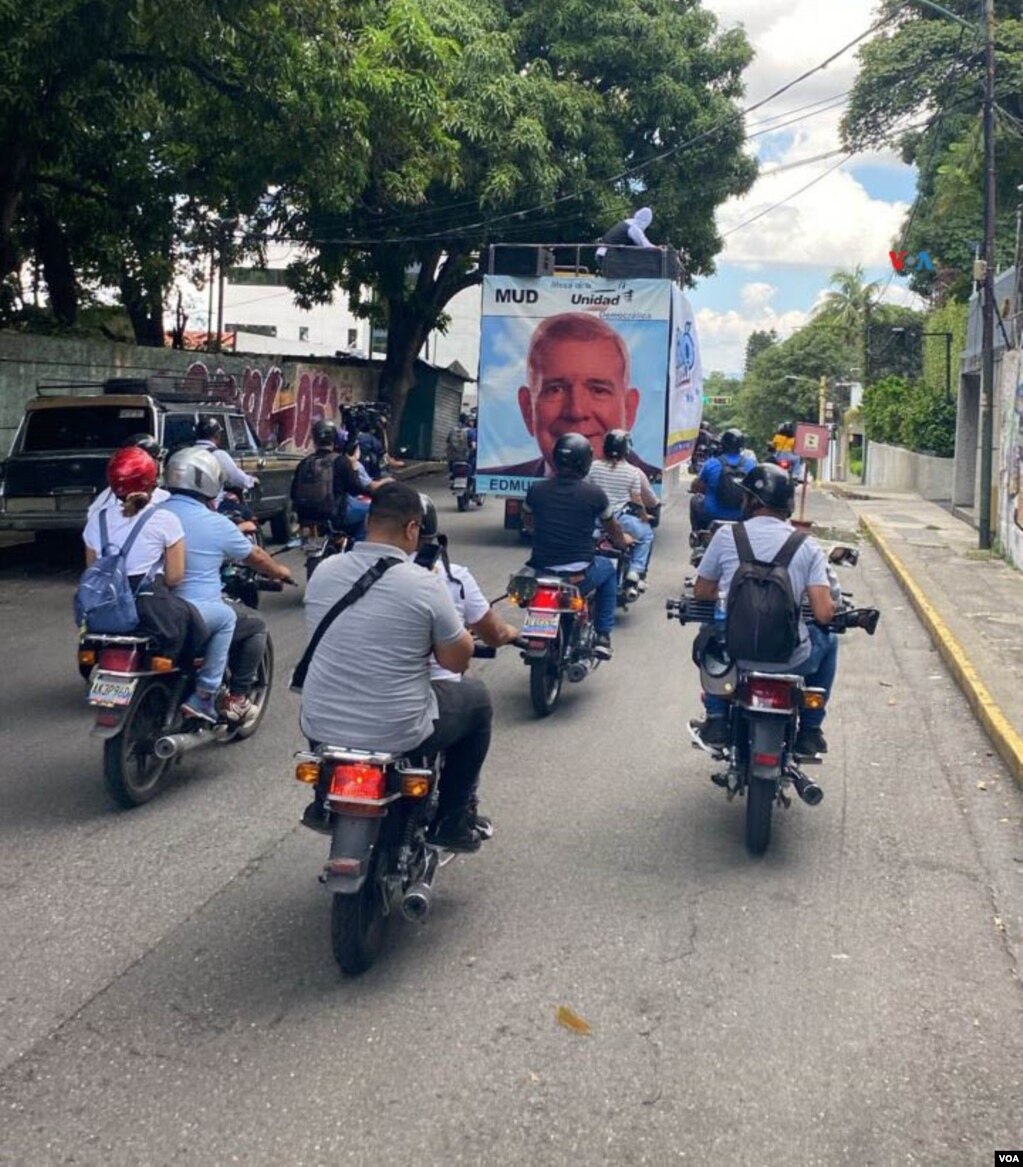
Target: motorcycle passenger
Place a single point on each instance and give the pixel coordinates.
(460, 447)
(623, 484)
(769, 500)
(195, 479)
(323, 481)
(210, 436)
(368, 685)
(156, 560)
(784, 442)
(562, 513)
(106, 496)
(716, 492)
(360, 487)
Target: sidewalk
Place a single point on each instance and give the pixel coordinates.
(970, 601)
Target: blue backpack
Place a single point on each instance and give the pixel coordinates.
(104, 602)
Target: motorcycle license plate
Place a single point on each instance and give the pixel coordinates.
(460, 484)
(112, 693)
(541, 624)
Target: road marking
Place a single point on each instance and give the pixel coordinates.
(1006, 740)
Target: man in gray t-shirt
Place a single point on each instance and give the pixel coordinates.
(368, 685)
(766, 512)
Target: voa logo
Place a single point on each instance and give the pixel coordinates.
(904, 263)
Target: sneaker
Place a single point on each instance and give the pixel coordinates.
(237, 708)
(809, 742)
(632, 577)
(317, 818)
(632, 594)
(602, 649)
(712, 731)
(642, 584)
(201, 705)
(484, 824)
(456, 832)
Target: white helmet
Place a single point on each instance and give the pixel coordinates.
(196, 470)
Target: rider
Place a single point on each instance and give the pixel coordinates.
(210, 436)
(784, 442)
(768, 505)
(323, 480)
(195, 479)
(562, 513)
(106, 496)
(368, 685)
(716, 494)
(622, 483)
(459, 446)
(360, 487)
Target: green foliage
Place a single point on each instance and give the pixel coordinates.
(757, 341)
(951, 317)
(915, 416)
(884, 405)
(722, 417)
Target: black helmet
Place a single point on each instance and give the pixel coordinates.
(787, 429)
(145, 442)
(617, 444)
(324, 433)
(771, 486)
(573, 456)
(429, 526)
(208, 428)
(731, 441)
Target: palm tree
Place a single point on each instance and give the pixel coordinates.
(848, 307)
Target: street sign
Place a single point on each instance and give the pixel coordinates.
(812, 441)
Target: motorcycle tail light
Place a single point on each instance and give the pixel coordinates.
(161, 664)
(575, 603)
(762, 693)
(120, 660)
(766, 759)
(307, 772)
(813, 699)
(415, 785)
(357, 780)
(87, 657)
(546, 598)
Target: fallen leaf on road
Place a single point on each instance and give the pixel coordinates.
(982, 786)
(573, 1021)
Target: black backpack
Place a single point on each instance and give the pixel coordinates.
(729, 493)
(313, 493)
(763, 614)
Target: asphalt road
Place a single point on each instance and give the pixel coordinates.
(168, 995)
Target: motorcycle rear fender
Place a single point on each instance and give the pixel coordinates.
(767, 740)
(116, 716)
(353, 838)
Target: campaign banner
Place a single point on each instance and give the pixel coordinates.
(685, 397)
(563, 354)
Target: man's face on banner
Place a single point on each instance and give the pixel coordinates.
(578, 387)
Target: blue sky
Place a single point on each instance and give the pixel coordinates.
(771, 272)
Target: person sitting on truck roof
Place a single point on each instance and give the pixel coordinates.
(629, 232)
(210, 436)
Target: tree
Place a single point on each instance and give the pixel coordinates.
(758, 340)
(557, 118)
(721, 415)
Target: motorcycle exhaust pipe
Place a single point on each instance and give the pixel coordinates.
(808, 791)
(577, 671)
(415, 904)
(173, 745)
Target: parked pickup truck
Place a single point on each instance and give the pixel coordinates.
(58, 459)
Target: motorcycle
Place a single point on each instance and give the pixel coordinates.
(558, 632)
(319, 541)
(763, 712)
(136, 693)
(381, 860)
(463, 486)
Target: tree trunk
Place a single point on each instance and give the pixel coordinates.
(405, 336)
(142, 298)
(12, 175)
(55, 258)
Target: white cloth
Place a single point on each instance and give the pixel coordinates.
(161, 531)
(107, 496)
(472, 608)
(618, 480)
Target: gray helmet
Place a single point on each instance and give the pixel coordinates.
(195, 471)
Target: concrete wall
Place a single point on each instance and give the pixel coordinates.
(1008, 519)
(893, 468)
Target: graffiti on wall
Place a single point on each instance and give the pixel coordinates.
(1010, 510)
(281, 409)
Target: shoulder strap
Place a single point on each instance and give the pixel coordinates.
(104, 533)
(743, 546)
(358, 590)
(789, 549)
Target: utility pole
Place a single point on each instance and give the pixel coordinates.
(822, 399)
(987, 371)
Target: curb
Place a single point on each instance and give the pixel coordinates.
(1005, 739)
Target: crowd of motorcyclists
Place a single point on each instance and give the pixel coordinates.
(395, 618)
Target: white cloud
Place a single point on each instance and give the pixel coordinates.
(723, 335)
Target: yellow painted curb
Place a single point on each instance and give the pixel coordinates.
(1006, 740)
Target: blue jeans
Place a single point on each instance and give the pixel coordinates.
(639, 553)
(355, 518)
(819, 668)
(220, 619)
(602, 576)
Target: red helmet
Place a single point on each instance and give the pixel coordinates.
(130, 471)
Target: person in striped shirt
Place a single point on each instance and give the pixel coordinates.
(623, 484)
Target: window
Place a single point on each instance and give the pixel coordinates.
(89, 427)
(353, 337)
(265, 277)
(238, 432)
(303, 333)
(258, 329)
(178, 431)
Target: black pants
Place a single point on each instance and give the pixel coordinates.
(462, 731)
(247, 647)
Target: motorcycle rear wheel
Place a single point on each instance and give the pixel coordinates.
(463, 502)
(759, 804)
(358, 924)
(546, 678)
(131, 770)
